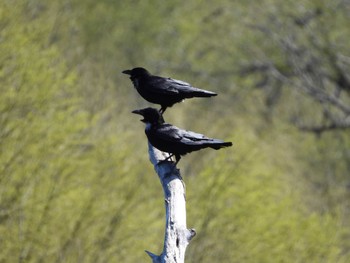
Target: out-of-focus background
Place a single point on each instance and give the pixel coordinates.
(76, 184)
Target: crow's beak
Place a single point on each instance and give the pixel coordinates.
(127, 72)
(140, 112)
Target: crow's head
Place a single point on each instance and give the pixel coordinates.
(136, 72)
(150, 115)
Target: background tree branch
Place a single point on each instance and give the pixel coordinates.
(311, 63)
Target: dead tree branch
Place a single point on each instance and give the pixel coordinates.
(177, 236)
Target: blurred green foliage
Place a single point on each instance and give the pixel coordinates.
(75, 181)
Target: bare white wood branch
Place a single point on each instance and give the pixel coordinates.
(177, 236)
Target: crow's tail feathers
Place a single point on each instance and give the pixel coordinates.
(195, 92)
(203, 93)
(219, 145)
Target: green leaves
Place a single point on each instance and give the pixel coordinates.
(75, 181)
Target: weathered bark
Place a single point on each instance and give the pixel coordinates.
(177, 236)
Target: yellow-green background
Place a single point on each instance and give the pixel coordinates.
(76, 184)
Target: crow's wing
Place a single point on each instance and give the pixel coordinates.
(171, 86)
(168, 132)
(192, 138)
(186, 89)
(172, 133)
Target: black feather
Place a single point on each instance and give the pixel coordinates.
(163, 91)
(171, 139)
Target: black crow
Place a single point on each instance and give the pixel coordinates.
(170, 139)
(163, 91)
